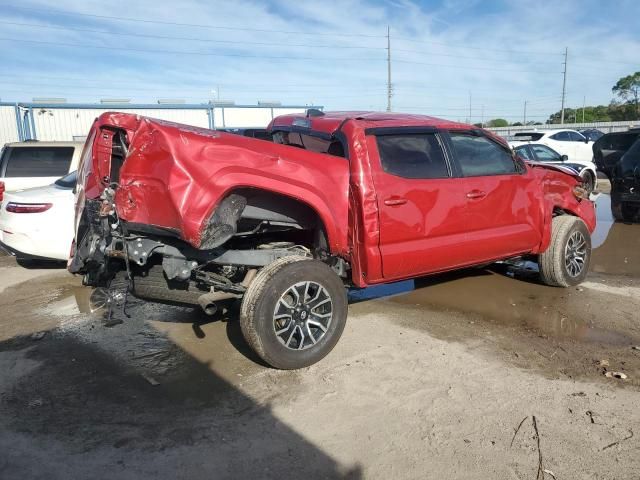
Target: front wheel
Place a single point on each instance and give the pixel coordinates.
(294, 312)
(565, 263)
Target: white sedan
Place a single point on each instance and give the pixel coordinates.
(534, 152)
(37, 223)
(566, 142)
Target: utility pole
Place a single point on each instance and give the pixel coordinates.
(524, 117)
(584, 102)
(564, 83)
(482, 117)
(389, 88)
(469, 106)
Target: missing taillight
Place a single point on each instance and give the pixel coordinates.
(15, 207)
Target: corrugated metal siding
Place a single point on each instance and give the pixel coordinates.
(246, 117)
(8, 127)
(68, 122)
(64, 124)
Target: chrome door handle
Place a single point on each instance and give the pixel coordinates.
(476, 194)
(395, 201)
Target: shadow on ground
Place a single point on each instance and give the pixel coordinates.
(72, 406)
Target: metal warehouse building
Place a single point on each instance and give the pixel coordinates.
(66, 121)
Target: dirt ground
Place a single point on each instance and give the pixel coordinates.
(430, 380)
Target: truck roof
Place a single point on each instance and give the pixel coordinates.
(329, 122)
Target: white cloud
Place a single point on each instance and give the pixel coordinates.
(436, 39)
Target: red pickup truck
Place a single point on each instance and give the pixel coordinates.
(334, 200)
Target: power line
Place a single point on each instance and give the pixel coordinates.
(179, 24)
(182, 52)
(235, 84)
(146, 89)
(474, 68)
(168, 37)
(467, 47)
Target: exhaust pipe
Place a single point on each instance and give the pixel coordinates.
(208, 301)
(209, 307)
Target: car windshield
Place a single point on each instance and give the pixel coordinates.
(528, 136)
(68, 181)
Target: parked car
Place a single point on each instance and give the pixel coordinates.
(261, 133)
(609, 148)
(37, 223)
(591, 134)
(541, 153)
(198, 216)
(37, 164)
(625, 185)
(567, 142)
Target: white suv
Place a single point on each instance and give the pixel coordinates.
(566, 142)
(36, 164)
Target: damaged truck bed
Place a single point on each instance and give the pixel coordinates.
(188, 215)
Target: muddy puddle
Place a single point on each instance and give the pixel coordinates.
(511, 294)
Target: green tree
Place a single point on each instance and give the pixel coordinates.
(628, 89)
(498, 122)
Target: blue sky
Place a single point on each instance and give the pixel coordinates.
(447, 56)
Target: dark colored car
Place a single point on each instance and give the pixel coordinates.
(591, 134)
(609, 148)
(625, 185)
(259, 133)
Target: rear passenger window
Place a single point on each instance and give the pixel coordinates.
(412, 155)
(561, 136)
(479, 156)
(576, 137)
(37, 161)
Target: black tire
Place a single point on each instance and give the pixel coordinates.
(258, 312)
(556, 262)
(623, 212)
(588, 181)
(153, 285)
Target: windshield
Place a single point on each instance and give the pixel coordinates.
(68, 181)
(528, 136)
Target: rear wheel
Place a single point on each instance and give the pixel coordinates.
(566, 262)
(294, 312)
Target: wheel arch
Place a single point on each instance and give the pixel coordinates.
(275, 205)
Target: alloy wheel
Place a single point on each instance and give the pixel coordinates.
(302, 315)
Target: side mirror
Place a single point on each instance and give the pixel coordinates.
(564, 158)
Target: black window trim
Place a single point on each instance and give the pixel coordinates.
(384, 131)
(520, 168)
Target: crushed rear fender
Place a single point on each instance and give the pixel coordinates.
(175, 177)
